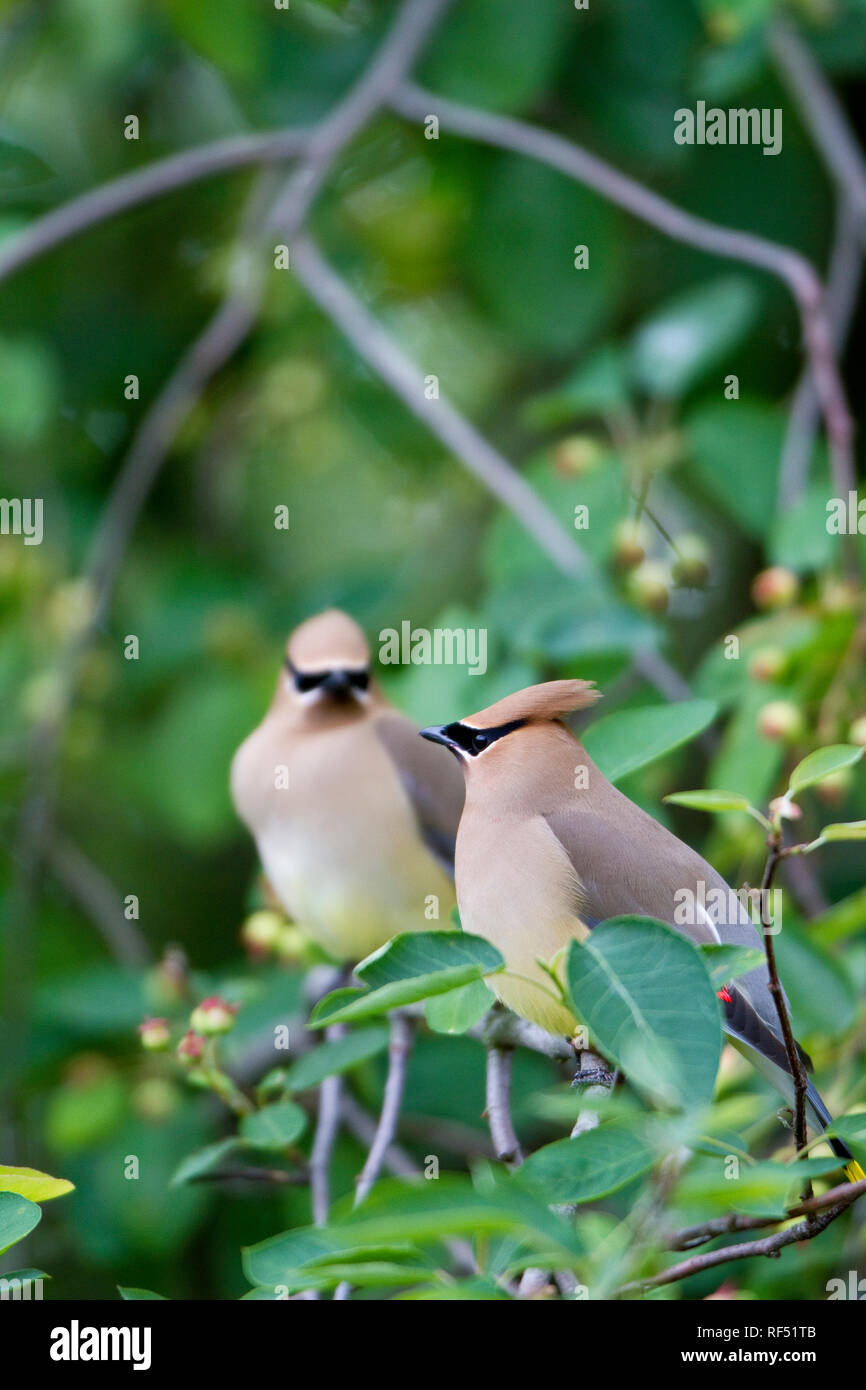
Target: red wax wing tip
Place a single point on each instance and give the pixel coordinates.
(723, 994)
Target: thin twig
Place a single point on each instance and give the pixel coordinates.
(399, 1047)
(393, 59)
(142, 185)
(327, 1128)
(769, 1246)
(795, 1062)
(788, 265)
(374, 345)
(506, 1145)
(821, 111)
(699, 1234)
(98, 897)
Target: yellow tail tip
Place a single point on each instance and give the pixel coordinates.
(854, 1172)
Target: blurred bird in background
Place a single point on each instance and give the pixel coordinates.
(353, 816)
(544, 855)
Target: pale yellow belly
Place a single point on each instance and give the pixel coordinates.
(502, 902)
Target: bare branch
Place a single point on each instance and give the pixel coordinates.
(786, 264)
(795, 1061)
(327, 1128)
(690, 1236)
(395, 56)
(371, 341)
(141, 186)
(98, 897)
(769, 1246)
(399, 1047)
(822, 113)
(506, 1145)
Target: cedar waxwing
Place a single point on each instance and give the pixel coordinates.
(355, 831)
(544, 854)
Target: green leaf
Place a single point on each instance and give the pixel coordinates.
(620, 743)
(645, 993)
(691, 334)
(599, 386)
(851, 1129)
(18, 1216)
(203, 1160)
(28, 1182)
(754, 1189)
(728, 962)
(139, 1295)
(292, 1254)
(528, 282)
(459, 1009)
(736, 451)
(497, 54)
(276, 1126)
(590, 1166)
(819, 986)
(711, 801)
(845, 830)
(335, 1056)
(799, 538)
(821, 764)
(413, 966)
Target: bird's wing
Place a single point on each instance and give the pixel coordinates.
(434, 784)
(628, 863)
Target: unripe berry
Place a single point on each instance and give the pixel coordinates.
(781, 721)
(213, 1015)
(190, 1049)
(857, 732)
(776, 587)
(631, 541)
(154, 1034)
(260, 933)
(767, 663)
(648, 585)
(692, 564)
(577, 455)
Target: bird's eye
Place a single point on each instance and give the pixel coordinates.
(479, 742)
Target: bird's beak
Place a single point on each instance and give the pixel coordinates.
(337, 683)
(436, 734)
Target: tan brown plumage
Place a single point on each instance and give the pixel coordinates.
(360, 844)
(547, 848)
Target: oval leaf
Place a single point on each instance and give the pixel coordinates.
(590, 1166)
(710, 801)
(29, 1183)
(821, 764)
(621, 743)
(276, 1126)
(339, 1055)
(18, 1216)
(645, 993)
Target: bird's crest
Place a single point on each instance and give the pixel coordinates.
(552, 700)
(329, 640)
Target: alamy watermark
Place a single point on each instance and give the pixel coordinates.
(701, 905)
(441, 646)
(737, 126)
(22, 516)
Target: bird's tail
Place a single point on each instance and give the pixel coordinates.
(853, 1171)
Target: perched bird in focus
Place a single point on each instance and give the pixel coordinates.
(544, 855)
(354, 817)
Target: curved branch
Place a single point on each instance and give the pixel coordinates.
(788, 265)
(141, 185)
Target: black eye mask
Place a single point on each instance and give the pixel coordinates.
(474, 741)
(336, 682)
